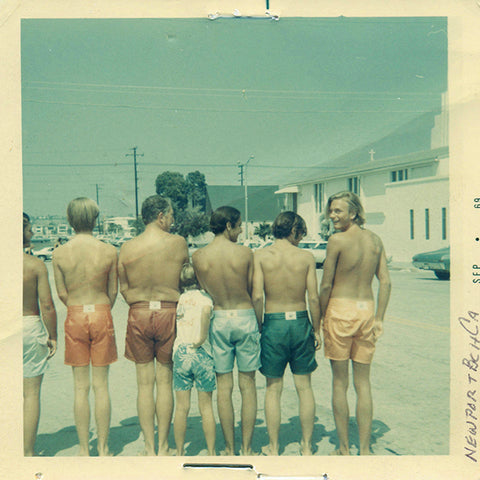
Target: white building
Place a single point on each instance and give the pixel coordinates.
(124, 225)
(405, 196)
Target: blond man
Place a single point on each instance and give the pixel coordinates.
(351, 324)
(149, 271)
(86, 278)
(39, 337)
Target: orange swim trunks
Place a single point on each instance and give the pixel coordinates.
(348, 330)
(89, 335)
(151, 331)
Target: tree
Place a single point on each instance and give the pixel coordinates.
(191, 222)
(173, 186)
(263, 230)
(197, 190)
(189, 198)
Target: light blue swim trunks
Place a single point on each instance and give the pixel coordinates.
(35, 348)
(234, 334)
(193, 364)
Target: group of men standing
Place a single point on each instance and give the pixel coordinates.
(268, 313)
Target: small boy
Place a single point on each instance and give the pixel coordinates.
(192, 359)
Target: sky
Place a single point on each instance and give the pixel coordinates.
(196, 94)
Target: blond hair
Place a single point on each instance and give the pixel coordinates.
(354, 205)
(82, 213)
(188, 278)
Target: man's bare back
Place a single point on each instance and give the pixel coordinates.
(224, 269)
(33, 269)
(359, 255)
(285, 269)
(86, 271)
(150, 265)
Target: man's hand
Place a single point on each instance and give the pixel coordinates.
(377, 329)
(52, 347)
(318, 340)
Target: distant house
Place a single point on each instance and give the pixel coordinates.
(120, 226)
(402, 180)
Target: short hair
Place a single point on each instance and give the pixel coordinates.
(82, 214)
(26, 223)
(153, 206)
(221, 216)
(187, 276)
(286, 222)
(354, 205)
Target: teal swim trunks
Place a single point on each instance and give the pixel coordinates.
(234, 334)
(287, 338)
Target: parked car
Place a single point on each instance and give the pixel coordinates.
(318, 249)
(44, 253)
(438, 261)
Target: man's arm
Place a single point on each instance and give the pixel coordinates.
(313, 300)
(250, 272)
(204, 325)
(384, 288)
(47, 308)
(59, 279)
(112, 282)
(329, 268)
(122, 277)
(257, 288)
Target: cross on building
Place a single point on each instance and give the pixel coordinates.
(371, 152)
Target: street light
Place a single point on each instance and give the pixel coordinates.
(243, 167)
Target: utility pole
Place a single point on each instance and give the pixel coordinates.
(245, 184)
(97, 186)
(134, 155)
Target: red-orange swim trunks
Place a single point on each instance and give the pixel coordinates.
(151, 331)
(89, 335)
(348, 330)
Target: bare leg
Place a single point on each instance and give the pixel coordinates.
(361, 379)
(306, 410)
(273, 413)
(102, 407)
(340, 404)
(31, 412)
(208, 420)
(182, 407)
(164, 405)
(145, 404)
(81, 407)
(248, 390)
(225, 410)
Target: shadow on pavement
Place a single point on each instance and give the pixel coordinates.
(49, 444)
(378, 431)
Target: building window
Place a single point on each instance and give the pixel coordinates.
(354, 185)
(412, 225)
(427, 224)
(399, 175)
(318, 193)
(294, 202)
(444, 223)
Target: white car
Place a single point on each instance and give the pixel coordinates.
(44, 253)
(318, 250)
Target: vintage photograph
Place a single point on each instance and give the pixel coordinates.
(267, 116)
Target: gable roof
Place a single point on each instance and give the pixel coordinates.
(408, 144)
(263, 204)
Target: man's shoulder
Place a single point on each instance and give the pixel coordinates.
(34, 264)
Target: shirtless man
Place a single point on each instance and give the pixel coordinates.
(149, 270)
(225, 271)
(350, 324)
(286, 274)
(86, 278)
(39, 337)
